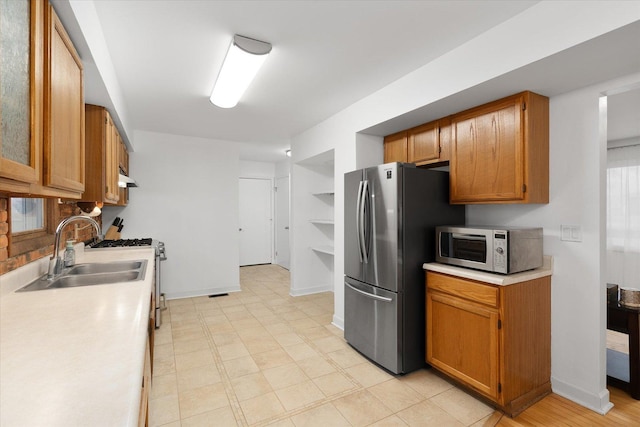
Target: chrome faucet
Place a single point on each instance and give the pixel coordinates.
(55, 263)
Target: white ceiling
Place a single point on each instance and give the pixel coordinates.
(326, 56)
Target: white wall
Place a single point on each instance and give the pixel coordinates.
(250, 169)
(283, 168)
(576, 188)
(577, 155)
(187, 197)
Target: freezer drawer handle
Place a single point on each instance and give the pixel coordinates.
(367, 294)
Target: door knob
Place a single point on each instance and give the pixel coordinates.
(286, 228)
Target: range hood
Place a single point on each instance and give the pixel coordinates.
(124, 181)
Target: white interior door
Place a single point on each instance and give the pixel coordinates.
(282, 221)
(255, 221)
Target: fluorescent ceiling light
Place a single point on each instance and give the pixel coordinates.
(244, 59)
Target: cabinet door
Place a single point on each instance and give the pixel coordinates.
(462, 341)
(64, 110)
(423, 143)
(395, 147)
(123, 165)
(123, 158)
(112, 193)
(487, 157)
(445, 139)
(21, 103)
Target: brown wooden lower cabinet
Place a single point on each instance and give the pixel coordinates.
(495, 340)
(143, 419)
(152, 326)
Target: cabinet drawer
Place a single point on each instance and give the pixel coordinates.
(467, 289)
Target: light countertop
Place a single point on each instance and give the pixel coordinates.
(75, 356)
(495, 279)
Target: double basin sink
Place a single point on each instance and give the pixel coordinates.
(99, 273)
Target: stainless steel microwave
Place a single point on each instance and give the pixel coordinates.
(502, 250)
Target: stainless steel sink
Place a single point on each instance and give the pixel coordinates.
(91, 274)
(105, 267)
(95, 279)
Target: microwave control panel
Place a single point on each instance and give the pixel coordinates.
(500, 252)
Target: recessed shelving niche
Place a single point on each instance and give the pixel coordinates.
(315, 224)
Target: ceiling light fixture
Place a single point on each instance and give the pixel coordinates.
(244, 58)
(287, 153)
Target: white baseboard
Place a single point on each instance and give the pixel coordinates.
(599, 403)
(338, 322)
(201, 292)
(310, 291)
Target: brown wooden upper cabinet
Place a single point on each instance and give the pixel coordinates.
(422, 145)
(21, 104)
(429, 143)
(500, 152)
(64, 110)
(123, 158)
(123, 164)
(395, 147)
(497, 152)
(102, 147)
(42, 140)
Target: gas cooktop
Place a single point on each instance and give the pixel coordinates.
(122, 242)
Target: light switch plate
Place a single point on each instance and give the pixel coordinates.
(571, 233)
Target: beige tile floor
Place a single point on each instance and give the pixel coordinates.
(261, 357)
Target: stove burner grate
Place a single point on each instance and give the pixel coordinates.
(122, 242)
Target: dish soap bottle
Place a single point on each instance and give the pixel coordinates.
(69, 254)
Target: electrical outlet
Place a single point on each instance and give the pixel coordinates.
(571, 233)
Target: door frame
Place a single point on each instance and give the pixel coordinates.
(276, 221)
(272, 212)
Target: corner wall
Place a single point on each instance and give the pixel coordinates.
(545, 29)
(577, 168)
(187, 197)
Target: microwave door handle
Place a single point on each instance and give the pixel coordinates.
(468, 236)
(359, 220)
(368, 295)
(365, 221)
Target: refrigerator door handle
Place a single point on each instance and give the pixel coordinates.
(359, 219)
(367, 294)
(364, 223)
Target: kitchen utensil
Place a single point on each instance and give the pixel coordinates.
(113, 230)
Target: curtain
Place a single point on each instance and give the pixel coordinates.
(623, 216)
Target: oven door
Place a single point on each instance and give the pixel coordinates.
(471, 248)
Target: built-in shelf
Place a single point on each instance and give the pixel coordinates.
(325, 249)
(321, 221)
(315, 220)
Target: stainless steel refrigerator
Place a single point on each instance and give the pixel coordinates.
(391, 212)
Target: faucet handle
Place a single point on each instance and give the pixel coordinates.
(55, 267)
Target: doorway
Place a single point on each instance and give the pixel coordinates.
(282, 222)
(622, 229)
(256, 234)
